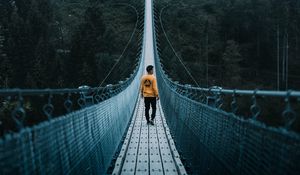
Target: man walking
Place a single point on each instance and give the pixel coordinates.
(150, 93)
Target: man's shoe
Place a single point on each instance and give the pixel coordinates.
(148, 122)
(151, 122)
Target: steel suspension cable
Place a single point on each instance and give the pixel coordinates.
(169, 42)
(129, 41)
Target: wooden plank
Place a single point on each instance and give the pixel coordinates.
(132, 151)
(143, 151)
(148, 149)
(131, 136)
(155, 157)
(175, 155)
(167, 158)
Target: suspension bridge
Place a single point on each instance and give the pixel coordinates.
(192, 133)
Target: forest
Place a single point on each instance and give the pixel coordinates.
(234, 44)
(65, 43)
(243, 44)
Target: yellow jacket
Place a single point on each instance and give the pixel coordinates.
(149, 86)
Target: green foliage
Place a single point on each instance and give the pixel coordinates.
(5, 65)
(202, 29)
(62, 44)
(232, 58)
(55, 43)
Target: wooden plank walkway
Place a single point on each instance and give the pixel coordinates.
(148, 149)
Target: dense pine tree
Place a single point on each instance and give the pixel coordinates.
(50, 44)
(266, 32)
(232, 58)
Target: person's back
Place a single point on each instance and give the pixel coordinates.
(150, 93)
(149, 87)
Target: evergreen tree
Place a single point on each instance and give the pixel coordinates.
(86, 44)
(86, 76)
(5, 65)
(232, 59)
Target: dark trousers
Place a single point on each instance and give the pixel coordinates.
(148, 101)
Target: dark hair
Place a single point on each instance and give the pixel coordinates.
(149, 68)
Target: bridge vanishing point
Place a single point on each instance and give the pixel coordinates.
(190, 136)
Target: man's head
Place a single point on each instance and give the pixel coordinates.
(149, 69)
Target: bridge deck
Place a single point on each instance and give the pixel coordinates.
(148, 149)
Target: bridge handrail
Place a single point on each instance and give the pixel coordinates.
(88, 95)
(213, 141)
(79, 142)
(257, 92)
(32, 92)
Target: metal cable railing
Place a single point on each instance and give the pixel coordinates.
(79, 142)
(213, 141)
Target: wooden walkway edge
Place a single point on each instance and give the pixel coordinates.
(148, 149)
